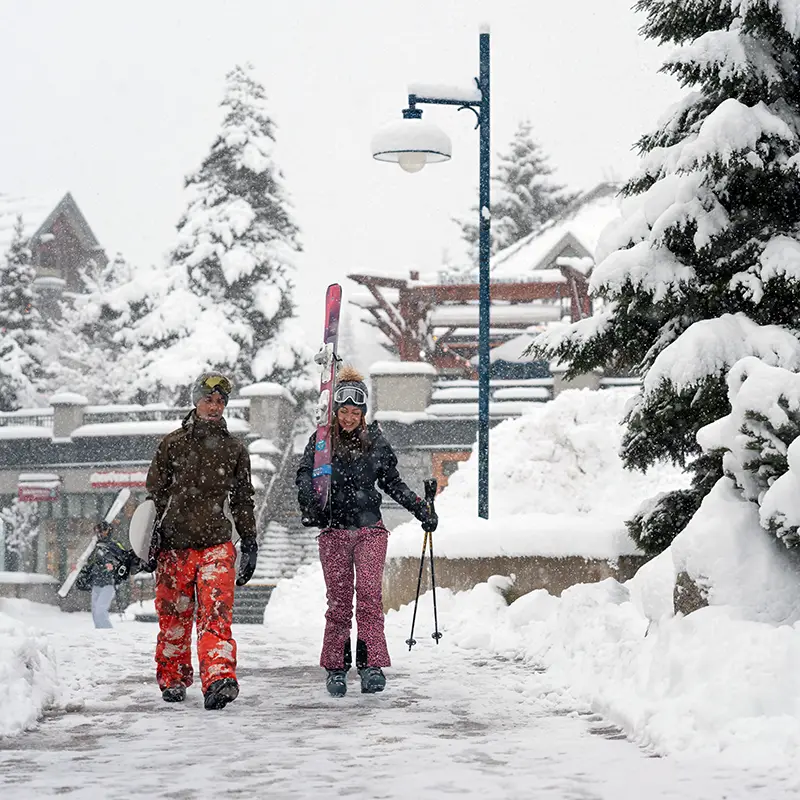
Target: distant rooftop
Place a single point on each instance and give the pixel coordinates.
(35, 211)
(577, 228)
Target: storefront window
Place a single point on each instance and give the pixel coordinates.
(74, 505)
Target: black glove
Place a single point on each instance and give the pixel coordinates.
(430, 521)
(247, 565)
(151, 563)
(313, 518)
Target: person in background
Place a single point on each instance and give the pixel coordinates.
(196, 472)
(353, 540)
(107, 566)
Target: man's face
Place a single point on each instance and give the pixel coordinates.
(211, 407)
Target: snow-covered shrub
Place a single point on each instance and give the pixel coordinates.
(757, 437)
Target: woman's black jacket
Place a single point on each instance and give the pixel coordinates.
(95, 572)
(354, 501)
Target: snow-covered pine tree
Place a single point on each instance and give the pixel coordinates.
(93, 346)
(523, 195)
(228, 303)
(703, 268)
(21, 327)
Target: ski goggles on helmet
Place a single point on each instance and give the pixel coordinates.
(350, 394)
(216, 383)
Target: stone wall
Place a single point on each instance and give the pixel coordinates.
(38, 592)
(531, 572)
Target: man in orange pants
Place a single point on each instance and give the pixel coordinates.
(195, 471)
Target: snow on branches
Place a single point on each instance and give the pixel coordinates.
(761, 444)
(703, 266)
(226, 300)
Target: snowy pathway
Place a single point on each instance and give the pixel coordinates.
(451, 723)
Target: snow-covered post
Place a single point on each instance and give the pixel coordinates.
(589, 380)
(272, 410)
(68, 411)
(401, 385)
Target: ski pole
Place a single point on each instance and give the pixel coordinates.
(411, 641)
(430, 495)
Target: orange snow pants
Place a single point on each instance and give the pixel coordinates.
(207, 575)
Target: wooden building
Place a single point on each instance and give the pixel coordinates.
(540, 279)
(61, 241)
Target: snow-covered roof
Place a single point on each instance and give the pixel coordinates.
(39, 212)
(521, 314)
(579, 226)
(35, 211)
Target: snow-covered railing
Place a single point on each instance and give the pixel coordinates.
(464, 383)
(94, 415)
(616, 382)
(38, 417)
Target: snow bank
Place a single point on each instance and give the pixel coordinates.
(557, 486)
(700, 685)
(28, 679)
(723, 679)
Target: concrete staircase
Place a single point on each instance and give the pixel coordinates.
(250, 601)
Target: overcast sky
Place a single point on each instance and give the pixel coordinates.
(117, 101)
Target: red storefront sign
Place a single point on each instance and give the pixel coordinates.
(37, 494)
(118, 480)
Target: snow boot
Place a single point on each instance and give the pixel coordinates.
(337, 682)
(174, 694)
(372, 680)
(220, 693)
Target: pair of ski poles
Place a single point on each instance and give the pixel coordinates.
(427, 543)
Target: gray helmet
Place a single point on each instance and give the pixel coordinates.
(210, 382)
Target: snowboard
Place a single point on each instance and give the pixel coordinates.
(116, 507)
(140, 532)
(327, 358)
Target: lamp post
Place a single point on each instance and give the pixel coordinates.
(412, 143)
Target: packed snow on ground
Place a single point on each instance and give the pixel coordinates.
(28, 678)
(557, 486)
(721, 682)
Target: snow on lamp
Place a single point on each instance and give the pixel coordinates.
(411, 143)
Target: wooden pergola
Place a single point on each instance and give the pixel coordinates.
(405, 312)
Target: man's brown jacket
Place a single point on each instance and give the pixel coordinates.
(194, 471)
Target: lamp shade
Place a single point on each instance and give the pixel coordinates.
(411, 142)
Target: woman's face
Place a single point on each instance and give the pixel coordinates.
(349, 418)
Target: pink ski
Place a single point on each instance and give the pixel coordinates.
(327, 359)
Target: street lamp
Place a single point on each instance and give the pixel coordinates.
(412, 143)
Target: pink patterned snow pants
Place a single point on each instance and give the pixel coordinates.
(343, 552)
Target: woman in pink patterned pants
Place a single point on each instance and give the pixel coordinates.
(352, 542)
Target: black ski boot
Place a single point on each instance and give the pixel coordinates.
(336, 682)
(372, 680)
(220, 693)
(174, 694)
